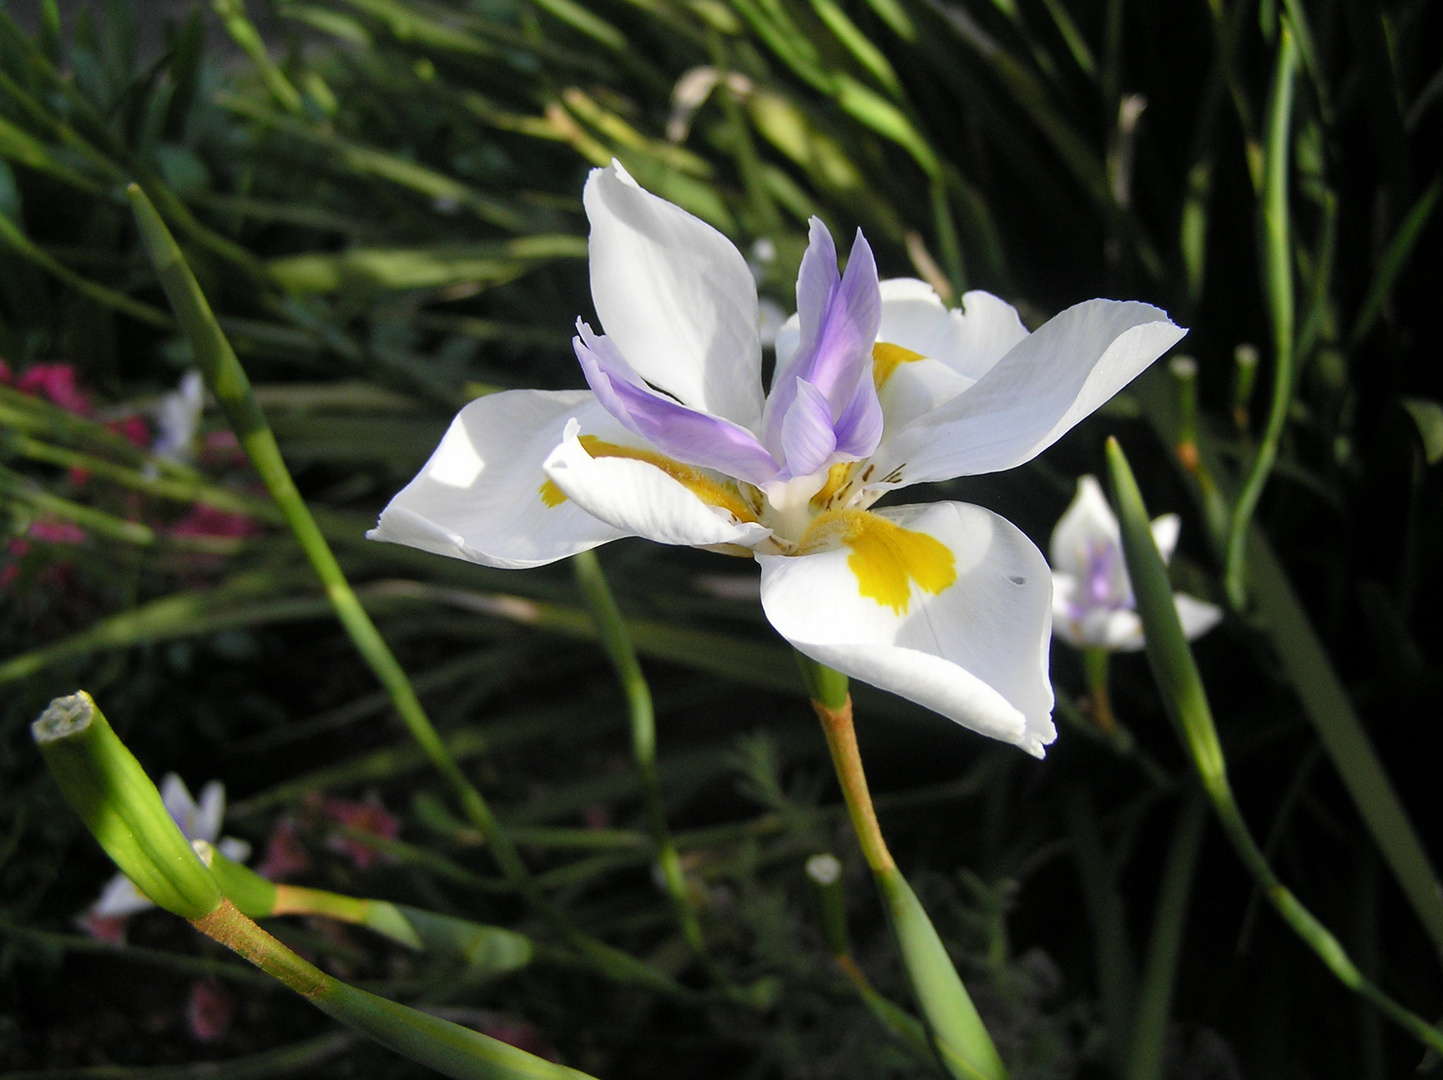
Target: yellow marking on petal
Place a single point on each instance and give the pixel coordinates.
(886, 558)
(551, 495)
(885, 359)
(722, 493)
(836, 477)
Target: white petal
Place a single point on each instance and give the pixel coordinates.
(1164, 534)
(1034, 394)
(1064, 608)
(639, 499)
(676, 297)
(915, 389)
(1197, 616)
(178, 803)
(119, 898)
(233, 848)
(1087, 525)
(479, 497)
(969, 341)
(210, 809)
(1117, 629)
(975, 651)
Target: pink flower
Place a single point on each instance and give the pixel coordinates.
(133, 429)
(107, 928)
(208, 521)
(209, 1010)
(285, 856)
(55, 532)
(56, 383)
(369, 816)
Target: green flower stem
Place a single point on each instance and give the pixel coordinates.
(1095, 662)
(232, 14)
(1320, 691)
(616, 640)
(107, 788)
(490, 949)
(958, 1033)
(1278, 278)
(1182, 690)
(228, 381)
(1154, 998)
(176, 489)
(824, 873)
(448, 1048)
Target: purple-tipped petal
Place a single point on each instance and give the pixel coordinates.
(807, 436)
(688, 435)
(859, 428)
(838, 317)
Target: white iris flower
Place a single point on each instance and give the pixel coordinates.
(878, 386)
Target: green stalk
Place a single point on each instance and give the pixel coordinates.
(1278, 276)
(232, 14)
(1154, 1000)
(228, 382)
(179, 490)
(448, 1048)
(611, 628)
(488, 949)
(1321, 692)
(961, 1039)
(1182, 690)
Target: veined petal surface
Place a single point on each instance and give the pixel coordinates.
(639, 498)
(973, 648)
(676, 297)
(1034, 394)
(483, 497)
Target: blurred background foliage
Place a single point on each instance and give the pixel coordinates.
(381, 199)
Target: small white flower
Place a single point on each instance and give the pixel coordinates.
(1092, 601)
(177, 417)
(878, 386)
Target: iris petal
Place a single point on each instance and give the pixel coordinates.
(690, 436)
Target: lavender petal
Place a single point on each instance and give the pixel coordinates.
(688, 435)
(838, 316)
(807, 436)
(859, 428)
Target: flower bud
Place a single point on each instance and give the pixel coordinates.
(105, 785)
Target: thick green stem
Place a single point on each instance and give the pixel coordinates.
(446, 1047)
(960, 1037)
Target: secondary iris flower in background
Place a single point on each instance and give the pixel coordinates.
(877, 386)
(1092, 602)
